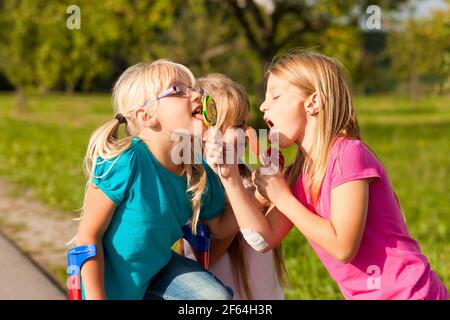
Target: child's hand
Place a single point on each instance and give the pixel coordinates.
(271, 186)
(217, 154)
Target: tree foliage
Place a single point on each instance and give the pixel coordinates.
(420, 49)
(237, 37)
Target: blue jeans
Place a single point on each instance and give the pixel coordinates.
(184, 279)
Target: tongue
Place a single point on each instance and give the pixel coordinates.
(269, 136)
(198, 116)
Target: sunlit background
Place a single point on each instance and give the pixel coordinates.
(56, 74)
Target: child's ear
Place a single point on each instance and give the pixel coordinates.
(146, 118)
(312, 104)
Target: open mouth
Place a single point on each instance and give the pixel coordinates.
(197, 113)
(269, 123)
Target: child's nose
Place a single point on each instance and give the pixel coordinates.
(263, 107)
(195, 96)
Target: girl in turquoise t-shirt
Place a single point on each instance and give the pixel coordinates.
(139, 195)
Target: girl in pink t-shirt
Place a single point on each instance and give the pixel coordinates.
(336, 192)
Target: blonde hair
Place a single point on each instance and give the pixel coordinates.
(231, 100)
(232, 108)
(313, 72)
(132, 91)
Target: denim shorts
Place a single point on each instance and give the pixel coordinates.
(184, 279)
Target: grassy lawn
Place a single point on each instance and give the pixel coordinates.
(44, 150)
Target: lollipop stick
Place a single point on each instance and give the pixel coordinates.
(214, 133)
(209, 112)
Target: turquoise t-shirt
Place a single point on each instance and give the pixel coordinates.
(152, 206)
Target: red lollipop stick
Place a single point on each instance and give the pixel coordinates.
(253, 141)
(254, 148)
(280, 157)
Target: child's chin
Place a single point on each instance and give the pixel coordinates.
(285, 143)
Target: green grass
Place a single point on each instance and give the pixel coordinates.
(44, 149)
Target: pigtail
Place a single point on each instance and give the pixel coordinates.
(196, 183)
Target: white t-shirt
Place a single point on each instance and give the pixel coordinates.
(262, 276)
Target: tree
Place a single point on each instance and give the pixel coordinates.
(19, 38)
(281, 24)
(203, 38)
(419, 49)
(71, 57)
(39, 52)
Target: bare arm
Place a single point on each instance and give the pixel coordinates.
(220, 246)
(262, 203)
(248, 214)
(247, 204)
(224, 225)
(97, 215)
(341, 235)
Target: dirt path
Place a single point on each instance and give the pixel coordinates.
(39, 231)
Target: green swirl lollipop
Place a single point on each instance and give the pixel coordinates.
(209, 111)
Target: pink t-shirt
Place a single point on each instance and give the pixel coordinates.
(389, 264)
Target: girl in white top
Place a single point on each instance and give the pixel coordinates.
(251, 274)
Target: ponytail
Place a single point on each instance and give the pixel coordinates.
(104, 143)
